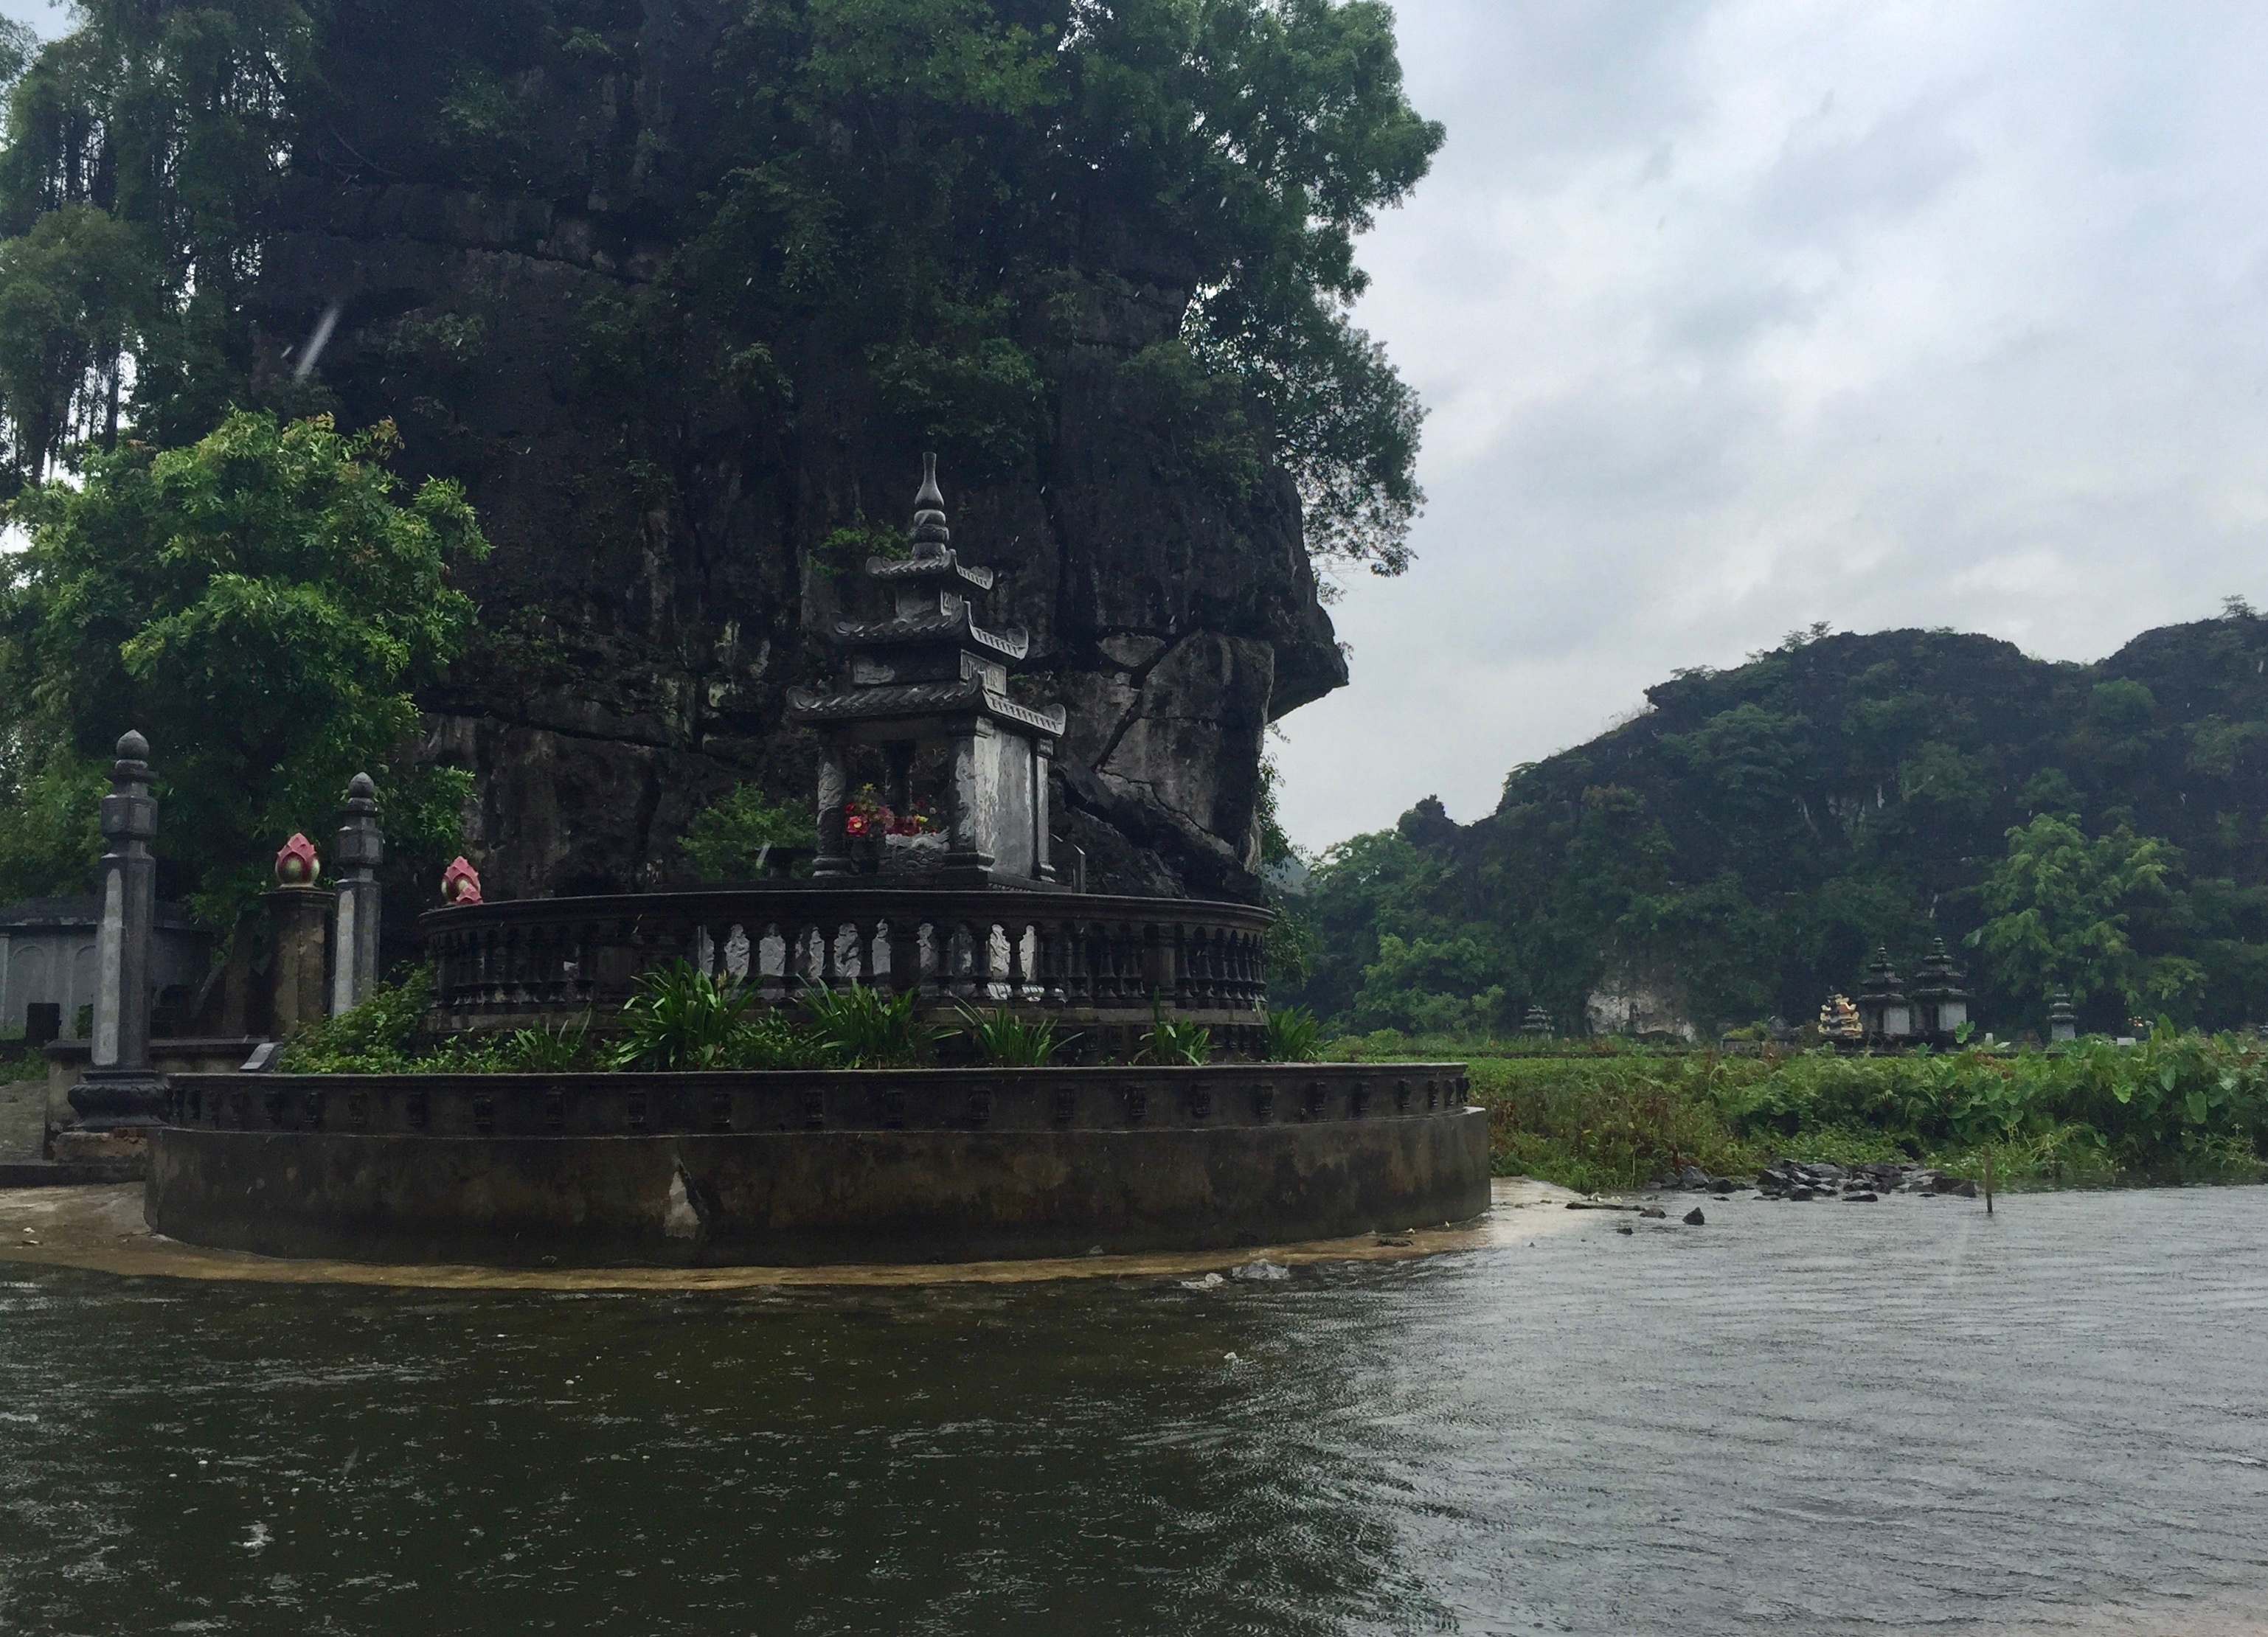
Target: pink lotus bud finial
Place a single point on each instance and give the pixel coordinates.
(297, 865)
(461, 884)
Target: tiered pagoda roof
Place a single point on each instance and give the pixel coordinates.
(931, 658)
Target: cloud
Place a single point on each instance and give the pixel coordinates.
(1733, 317)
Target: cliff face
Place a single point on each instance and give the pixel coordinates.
(658, 581)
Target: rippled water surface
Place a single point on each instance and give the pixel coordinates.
(1798, 1418)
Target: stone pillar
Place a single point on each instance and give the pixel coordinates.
(120, 1089)
(355, 942)
(2063, 1023)
(1043, 751)
(974, 813)
(299, 929)
(834, 857)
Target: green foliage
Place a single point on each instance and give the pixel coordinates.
(18, 1062)
(1601, 1124)
(374, 1038)
(1737, 851)
(2064, 909)
(74, 294)
(546, 1049)
(1173, 1040)
(682, 1018)
(2177, 1107)
(50, 810)
(1295, 1035)
(727, 840)
(856, 1027)
(261, 607)
(846, 550)
(144, 148)
(933, 191)
(1007, 1041)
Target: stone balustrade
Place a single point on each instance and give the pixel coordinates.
(1094, 963)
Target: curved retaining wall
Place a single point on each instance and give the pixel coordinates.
(792, 1167)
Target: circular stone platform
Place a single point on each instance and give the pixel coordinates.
(101, 1229)
(802, 1168)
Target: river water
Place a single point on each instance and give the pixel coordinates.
(1797, 1418)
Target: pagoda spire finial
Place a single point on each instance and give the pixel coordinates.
(930, 536)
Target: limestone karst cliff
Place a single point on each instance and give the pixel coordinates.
(669, 482)
(680, 289)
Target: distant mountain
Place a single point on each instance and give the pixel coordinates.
(1738, 850)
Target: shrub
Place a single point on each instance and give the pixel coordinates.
(1007, 1041)
(1171, 1041)
(855, 1027)
(682, 1018)
(374, 1038)
(1294, 1036)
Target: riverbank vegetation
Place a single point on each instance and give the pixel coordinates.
(2175, 1107)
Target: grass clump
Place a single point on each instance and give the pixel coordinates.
(1171, 1040)
(856, 1027)
(682, 1018)
(18, 1062)
(1003, 1040)
(1295, 1035)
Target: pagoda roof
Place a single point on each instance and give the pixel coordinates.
(932, 565)
(897, 701)
(960, 627)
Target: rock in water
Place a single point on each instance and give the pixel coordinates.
(1693, 1218)
(1260, 1271)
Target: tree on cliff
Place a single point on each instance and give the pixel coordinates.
(678, 290)
(260, 605)
(914, 175)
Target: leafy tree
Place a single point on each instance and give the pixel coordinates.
(727, 838)
(141, 149)
(262, 606)
(2065, 909)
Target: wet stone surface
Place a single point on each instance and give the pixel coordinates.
(1905, 1418)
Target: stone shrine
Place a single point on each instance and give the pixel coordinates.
(930, 675)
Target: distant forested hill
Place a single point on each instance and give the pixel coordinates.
(1737, 851)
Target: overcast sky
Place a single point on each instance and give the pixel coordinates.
(1734, 316)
